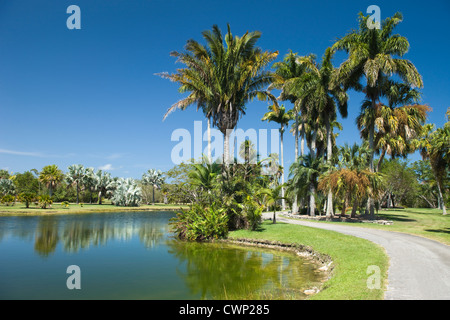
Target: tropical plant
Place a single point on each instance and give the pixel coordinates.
(45, 200)
(75, 176)
(321, 95)
(223, 76)
(201, 223)
(271, 197)
(27, 198)
(375, 55)
(8, 199)
(127, 193)
(51, 176)
(304, 174)
(279, 115)
(104, 184)
(7, 187)
(153, 178)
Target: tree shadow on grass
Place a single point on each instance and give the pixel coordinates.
(445, 230)
(396, 217)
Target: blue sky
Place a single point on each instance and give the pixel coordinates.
(91, 96)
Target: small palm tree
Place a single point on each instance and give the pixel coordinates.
(153, 178)
(271, 197)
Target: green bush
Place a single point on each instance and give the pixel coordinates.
(201, 224)
(8, 199)
(27, 198)
(44, 201)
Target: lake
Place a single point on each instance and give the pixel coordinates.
(133, 255)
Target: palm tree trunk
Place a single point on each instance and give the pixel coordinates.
(302, 142)
(295, 203)
(274, 214)
(355, 207)
(283, 203)
(370, 201)
(312, 188)
(153, 199)
(441, 199)
(329, 211)
(209, 141)
(99, 197)
(226, 148)
(78, 192)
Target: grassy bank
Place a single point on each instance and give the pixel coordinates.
(57, 208)
(351, 258)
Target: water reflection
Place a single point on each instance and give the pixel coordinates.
(151, 263)
(77, 233)
(223, 271)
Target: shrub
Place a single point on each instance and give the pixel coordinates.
(8, 199)
(44, 201)
(27, 198)
(127, 193)
(201, 224)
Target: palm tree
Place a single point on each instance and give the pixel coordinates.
(435, 146)
(103, 184)
(204, 175)
(271, 197)
(304, 174)
(326, 98)
(372, 56)
(279, 115)
(50, 176)
(75, 176)
(223, 76)
(153, 178)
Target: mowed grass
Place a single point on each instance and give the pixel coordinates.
(351, 257)
(57, 208)
(428, 223)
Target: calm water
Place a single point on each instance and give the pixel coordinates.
(133, 255)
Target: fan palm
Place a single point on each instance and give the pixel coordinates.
(153, 178)
(75, 176)
(51, 176)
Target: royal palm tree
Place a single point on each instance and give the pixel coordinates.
(435, 146)
(229, 72)
(326, 98)
(279, 115)
(51, 176)
(375, 55)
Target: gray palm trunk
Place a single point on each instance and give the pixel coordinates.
(329, 211)
(312, 188)
(295, 203)
(283, 202)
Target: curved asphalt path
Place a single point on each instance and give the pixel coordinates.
(419, 268)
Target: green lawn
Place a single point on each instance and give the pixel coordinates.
(351, 258)
(428, 223)
(57, 208)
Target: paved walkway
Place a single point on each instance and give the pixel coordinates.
(419, 268)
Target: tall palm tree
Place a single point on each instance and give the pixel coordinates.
(51, 176)
(326, 97)
(375, 55)
(75, 176)
(228, 73)
(435, 146)
(279, 115)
